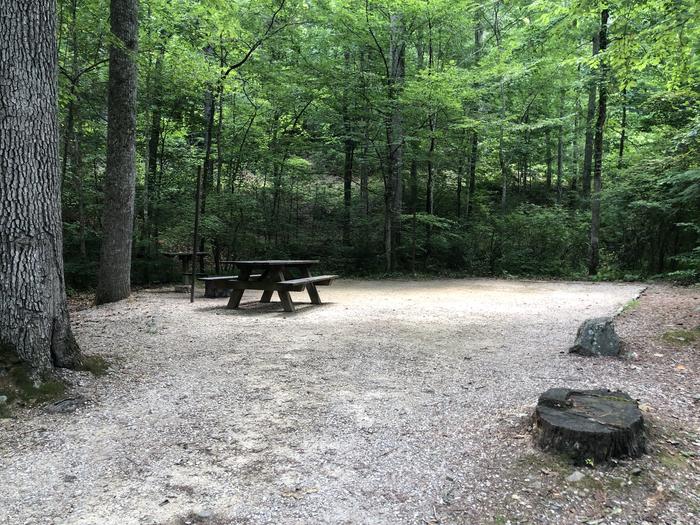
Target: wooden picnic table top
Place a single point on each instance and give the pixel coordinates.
(275, 262)
(183, 254)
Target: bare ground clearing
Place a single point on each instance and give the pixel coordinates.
(395, 402)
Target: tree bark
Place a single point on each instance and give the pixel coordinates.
(114, 277)
(393, 197)
(588, 144)
(478, 44)
(598, 148)
(347, 190)
(414, 210)
(503, 164)
(348, 162)
(34, 322)
(153, 145)
(574, 146)
(472, 173)
(548, 159)
(623, 132)
(560, 147)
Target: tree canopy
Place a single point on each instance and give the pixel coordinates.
(394, 135)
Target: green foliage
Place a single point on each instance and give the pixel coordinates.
(316, 93)
(19, 384)
(94, 364)
(682, 337)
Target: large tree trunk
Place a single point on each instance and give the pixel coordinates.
(114, 279)
(598, 148)
(34, 321)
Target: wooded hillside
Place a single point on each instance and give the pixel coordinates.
(402, 136)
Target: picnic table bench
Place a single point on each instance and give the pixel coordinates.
(276, 276)
(219, 285)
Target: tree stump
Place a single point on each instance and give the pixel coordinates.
(589, 425)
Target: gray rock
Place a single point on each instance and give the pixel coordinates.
(204, 514)
(597, 337)
(65, 406)
(575, 476)
(3, 400)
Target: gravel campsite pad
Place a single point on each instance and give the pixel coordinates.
(394, 402)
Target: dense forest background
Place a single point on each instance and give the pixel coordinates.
(394, 136)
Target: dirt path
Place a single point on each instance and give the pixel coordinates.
(395, 402)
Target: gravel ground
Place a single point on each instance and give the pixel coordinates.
(394, 402)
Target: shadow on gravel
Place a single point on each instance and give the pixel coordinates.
(198, 519)
(253, 308)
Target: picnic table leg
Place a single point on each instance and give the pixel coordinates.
(285, 297)
(287, 302)
(267, 294)
(311, 287)
(236, 295)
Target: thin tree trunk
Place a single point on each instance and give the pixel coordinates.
(34, 321)
(502, 113)
(574, 146)
(394, 131)
(219, 165)
(364, 174)
(472, 173)
(348, 164)
(77, 164)
(598, 148)
(114, 278)
(548, 160)
(239, 156)
(560, 147)
(621, 149)
(207, 165)
(347, 190)
(590, 116)
(153, 145)
(478, 44)
(414, 210)
(463, 160)
(195, 234)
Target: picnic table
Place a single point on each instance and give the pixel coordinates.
(273, 276)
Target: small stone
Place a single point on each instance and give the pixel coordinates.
(65, 406)
(204, 514)
(3, 400)
(636, 471)
(575, 476)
